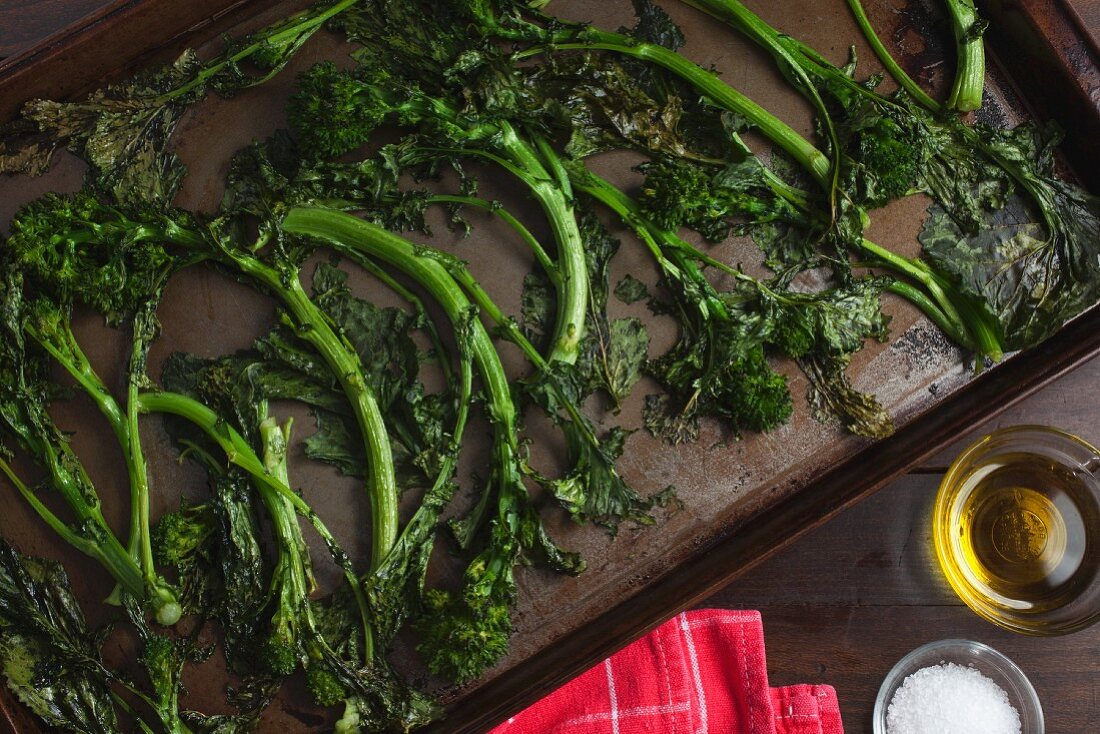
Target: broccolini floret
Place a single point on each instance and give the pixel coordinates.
(180, 534)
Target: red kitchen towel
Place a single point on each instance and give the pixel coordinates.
(702, 672)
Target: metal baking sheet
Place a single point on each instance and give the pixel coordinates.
(727, 483)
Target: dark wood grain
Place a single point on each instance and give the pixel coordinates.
(1071, 403)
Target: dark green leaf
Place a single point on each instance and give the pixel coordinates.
(1032, 281)
(49, 656)
(620, 356)
(631, 290)
(654, 26)
(336, 442)
(662, 421)
(537, 306)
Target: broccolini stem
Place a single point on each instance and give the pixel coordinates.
(553, 163)
(986, 328)
(439, 492)
(888, 61)
(733, 13)
(436, 272)
(298, 582)
(76, 363)
(355, 237)
(966, 91)
(543, 173)
(492, 370)
(276, 443)
(503, 322)
(140, 544)
(552, 192)
(796, 196)
(128, 707)
(177, 727)
(309, 22)
(73, 359)
(314, 327)
(144, 330)
(239, 453)
(952, 305)
(913, 269)
(668, 249)
(723, 95)
(632, 218)
(81, 542)
(544, 259)
(507, 165)
(930, 309)
(512, 331)
(94, 538)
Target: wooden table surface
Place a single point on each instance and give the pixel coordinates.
(843, 603)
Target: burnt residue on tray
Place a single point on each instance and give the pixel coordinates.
(922, 38)
(923, 345)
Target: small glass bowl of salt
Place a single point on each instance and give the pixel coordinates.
(957, 687)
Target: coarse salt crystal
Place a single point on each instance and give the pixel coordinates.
(950, 699)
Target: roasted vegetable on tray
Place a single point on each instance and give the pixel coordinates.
(429, 97)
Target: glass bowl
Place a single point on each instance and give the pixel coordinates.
(1017, 530)
(984, 659)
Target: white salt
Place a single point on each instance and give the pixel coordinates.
(950, 699)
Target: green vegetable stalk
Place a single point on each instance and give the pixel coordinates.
(968, 27)
(452, 286)
(720, 93)
(900, 76)
(62, 241)
(239, 453)
(814, 161)
(315, 328)
(323, 636)
(465, 634)
(335, 112)
(1008, 299)
(24, 403)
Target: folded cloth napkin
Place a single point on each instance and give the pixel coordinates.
(702, 672)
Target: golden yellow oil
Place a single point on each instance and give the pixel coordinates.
(1023, 531)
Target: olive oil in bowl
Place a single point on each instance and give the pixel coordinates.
(1017, 530)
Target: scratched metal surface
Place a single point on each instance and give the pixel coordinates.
(720, 479)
